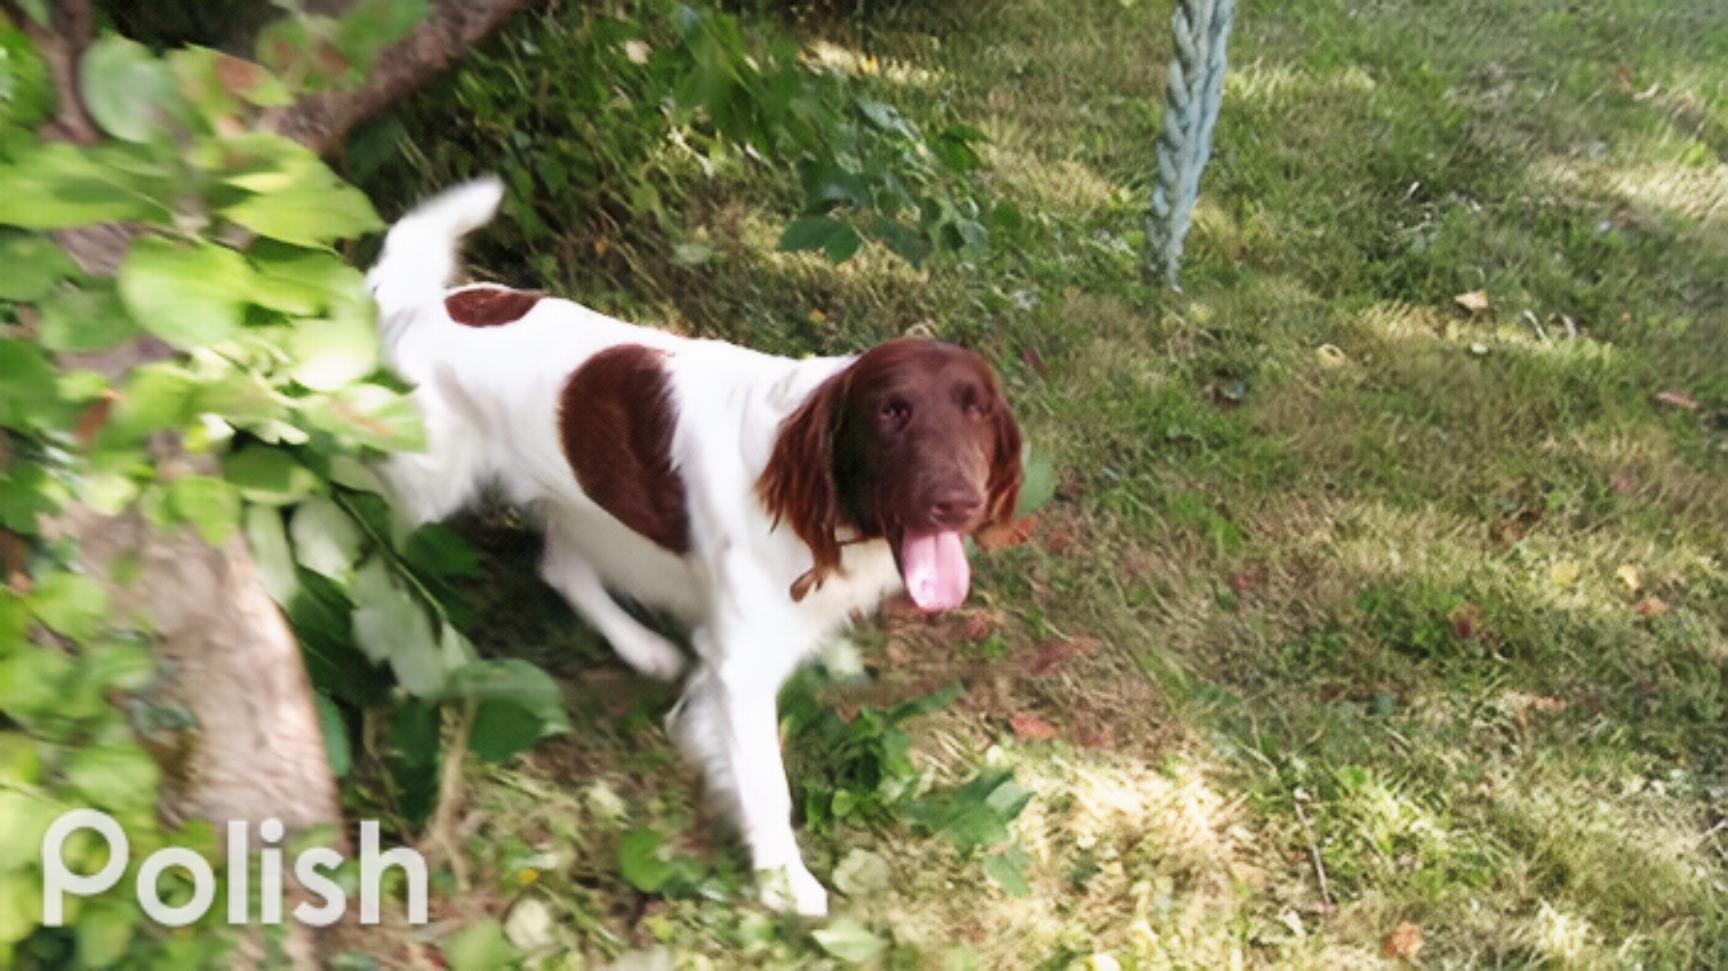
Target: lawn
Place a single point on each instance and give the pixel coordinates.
(1380, 614)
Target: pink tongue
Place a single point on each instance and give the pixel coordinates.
(935, 570)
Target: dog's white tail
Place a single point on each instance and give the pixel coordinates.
(419, 255)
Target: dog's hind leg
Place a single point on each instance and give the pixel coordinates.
(569, 572)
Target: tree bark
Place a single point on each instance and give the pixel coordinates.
(451, 28)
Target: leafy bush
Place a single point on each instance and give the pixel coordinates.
(617, 118)
(858, 771)
(272, 387)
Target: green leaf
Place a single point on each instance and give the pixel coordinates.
(27, 493)
(369, 415)
(20, 763)
(335, 731)
(503, 729)
(120, 778)
(20, 905)
(210, 504)
(88, 319)
(641, 861)
(26, 91)
(862, 874)
(156, 397)
(53, 185)
(518, 705)
(70, 604)
(902, 240)
(268, 541)
(268, 476)
(372, 25)
(835, 238)
(34, 264)
(1037, 483)
(842, 244)
(301, 281)
(481, 946)
(390, 625)
(326, 541)
(307, 214)
(32, 685)
(14, 622)
(849, 940)
(976, 814)
(330, 353)
(884, 116)
(1008, 868)
(27, 385)
(220, 85)
(127, 90)
(103, 931)
(439, 551)
(513, 680)
(190, 296)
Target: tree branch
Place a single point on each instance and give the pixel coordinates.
(61, 47)
(322, 121)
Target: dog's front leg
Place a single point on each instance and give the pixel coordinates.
(729, 723)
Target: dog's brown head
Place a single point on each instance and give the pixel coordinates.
(912, 442)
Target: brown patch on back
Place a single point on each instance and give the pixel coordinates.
(490, 306)
(615, 421)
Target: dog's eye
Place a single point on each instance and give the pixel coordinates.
(974, 404)
(895, 411)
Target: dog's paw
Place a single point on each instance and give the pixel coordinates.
(791, 889)
(650, 654)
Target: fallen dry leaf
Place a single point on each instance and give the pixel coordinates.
(1086, 734)
(1054, 654)
(1678, 399)
(1628, 575)
(1476, 301)
(1029, 727)
(992, 539)
(1059, 541)
(1548, 706)
(1405, 941)
(978, 624)
(1564, 573)
(1652, 607)
(1033, 359)
(1464, 621)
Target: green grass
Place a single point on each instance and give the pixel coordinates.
(1351, 561)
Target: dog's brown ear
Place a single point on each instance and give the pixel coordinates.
(798, 487)
(1003, 487)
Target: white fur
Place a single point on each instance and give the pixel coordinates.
(489, 397)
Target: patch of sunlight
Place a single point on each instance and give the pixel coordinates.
(1642, 462)
(1398, 320)
(1567, 939)
(855, 64)
(1611, 847)
(1065, 185)
(1697, 191)
(1260, 81)
(1149, 865)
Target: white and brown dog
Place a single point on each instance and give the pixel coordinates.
(760, 499)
